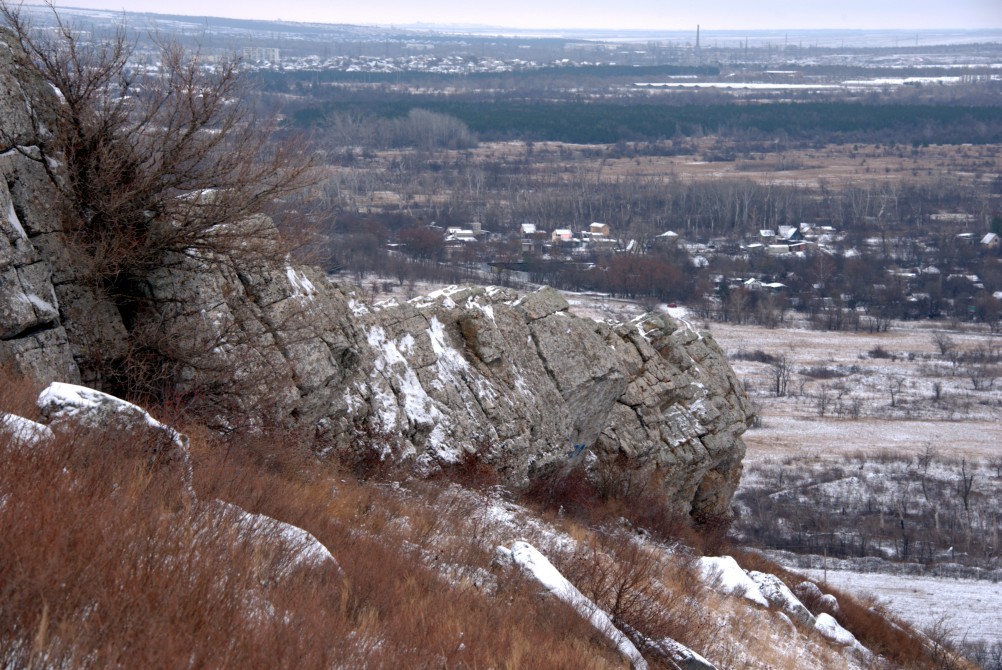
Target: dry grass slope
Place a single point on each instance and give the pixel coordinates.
(104, 565)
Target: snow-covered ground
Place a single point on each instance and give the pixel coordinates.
(967, 609)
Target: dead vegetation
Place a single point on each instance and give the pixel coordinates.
(135, 576)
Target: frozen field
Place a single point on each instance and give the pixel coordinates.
(809, 436)
(960, 423)
(967, 609)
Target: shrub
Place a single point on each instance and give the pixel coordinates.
(147, 167)
(757, 356)
(879, 352)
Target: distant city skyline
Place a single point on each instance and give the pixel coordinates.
(597, 14)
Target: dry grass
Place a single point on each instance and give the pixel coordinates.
(105, 566)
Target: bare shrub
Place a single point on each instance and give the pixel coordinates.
(758, 356)
(565, 489)
(150, 166)
(828, 372)
(133, 581)
(982, 376)
(944, 343)
(648, 594)
(879, 352)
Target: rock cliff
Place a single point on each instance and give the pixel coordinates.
(514, 380)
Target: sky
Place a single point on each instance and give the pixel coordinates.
(594, 14)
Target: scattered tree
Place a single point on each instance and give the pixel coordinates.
(943, 342)
(895, 384)
(782, 370)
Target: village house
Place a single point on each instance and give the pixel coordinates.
(599, 229)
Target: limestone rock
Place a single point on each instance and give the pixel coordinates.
(780, 596)
(18, 122)
(32, 336)
(294, 547)
(24, 432)
(64, 405)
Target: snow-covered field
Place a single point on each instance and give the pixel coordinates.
(965, 422)
(966, 609)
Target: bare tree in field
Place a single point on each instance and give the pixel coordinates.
(965, 485)
(782, 370)
(895, 385)
(944, 343)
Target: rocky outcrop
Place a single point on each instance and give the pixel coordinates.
(33, 337)
(516, 381)
(530, 387)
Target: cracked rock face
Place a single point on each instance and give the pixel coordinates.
(33, 338)
(529, 387)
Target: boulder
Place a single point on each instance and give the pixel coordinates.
(68, 407)
(781, 597)
(295, 547)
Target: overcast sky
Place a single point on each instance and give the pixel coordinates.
(608, 14)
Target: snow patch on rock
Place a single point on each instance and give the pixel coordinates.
(725, 575)
(537, 566)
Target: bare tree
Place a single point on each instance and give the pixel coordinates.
(154, 160)
(965, 485)
(823, 399)
(151, 167)
(982, 376)
(895, 384)
(782, 370)
(925, 460)
(944, 343)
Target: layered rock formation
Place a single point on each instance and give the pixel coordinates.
(514, 380)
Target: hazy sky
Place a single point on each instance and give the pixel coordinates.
(637, 14)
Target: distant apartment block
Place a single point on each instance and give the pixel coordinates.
(259, 54)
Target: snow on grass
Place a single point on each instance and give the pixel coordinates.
(805, 436)
(526, 557)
